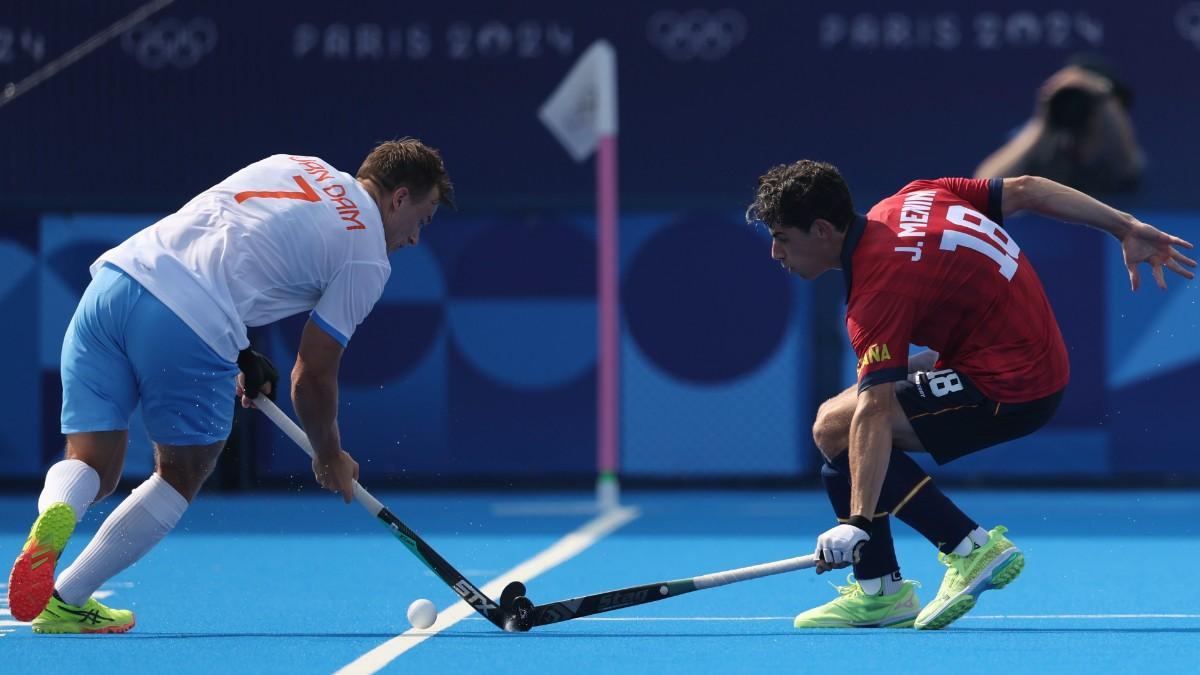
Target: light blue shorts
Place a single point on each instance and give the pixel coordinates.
(124, 346)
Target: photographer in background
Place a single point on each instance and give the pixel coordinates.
(1080, 134)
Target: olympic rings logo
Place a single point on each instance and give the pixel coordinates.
(157, 44)
(1187, 20)
(696, 33)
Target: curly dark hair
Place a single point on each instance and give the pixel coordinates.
(411, 163)
(794, 195)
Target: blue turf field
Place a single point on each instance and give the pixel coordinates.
(299, 583)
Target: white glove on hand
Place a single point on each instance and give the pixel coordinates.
(837, 546)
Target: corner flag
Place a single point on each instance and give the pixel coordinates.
(583, 109)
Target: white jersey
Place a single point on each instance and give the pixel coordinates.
(284, 235)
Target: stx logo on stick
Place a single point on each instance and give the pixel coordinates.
(472, 596)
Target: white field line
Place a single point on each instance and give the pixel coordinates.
(561, 551)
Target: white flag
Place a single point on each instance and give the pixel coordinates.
(583, 108)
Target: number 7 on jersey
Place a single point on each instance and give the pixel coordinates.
(306, 193)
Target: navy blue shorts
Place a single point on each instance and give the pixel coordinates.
(953, 418)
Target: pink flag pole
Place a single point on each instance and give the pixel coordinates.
(582, 114)
(608, 325)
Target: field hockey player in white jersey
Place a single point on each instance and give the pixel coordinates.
(164, 323)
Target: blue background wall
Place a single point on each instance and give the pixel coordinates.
(480, 360)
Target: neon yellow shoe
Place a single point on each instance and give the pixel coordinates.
(855, 609)
(993, 565)
(93, 617)
(31, 582)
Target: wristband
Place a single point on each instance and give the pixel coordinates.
(861, 522)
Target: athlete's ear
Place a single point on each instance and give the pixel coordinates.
(822, 228)
(398, 196)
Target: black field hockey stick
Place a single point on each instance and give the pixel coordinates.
(528, 615)
(500, 615)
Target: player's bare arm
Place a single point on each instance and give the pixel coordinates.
(1140, 242)
(870, 447)
(314, 396)
(870, 453)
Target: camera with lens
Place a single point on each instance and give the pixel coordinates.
(1070, 108)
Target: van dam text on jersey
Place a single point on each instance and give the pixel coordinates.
(335, 192)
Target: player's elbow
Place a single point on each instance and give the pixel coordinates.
(308, 380)
(1020, 193)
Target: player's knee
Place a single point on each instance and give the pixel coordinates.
(829, 435)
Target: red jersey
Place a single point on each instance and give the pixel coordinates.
(931, 266)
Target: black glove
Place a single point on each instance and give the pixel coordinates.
(259, 370)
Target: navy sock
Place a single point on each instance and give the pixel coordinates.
(910, 495)
(878, 556)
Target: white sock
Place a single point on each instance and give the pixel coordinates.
(975, 539)
(72, 481)
(882, 585)
(137, 524)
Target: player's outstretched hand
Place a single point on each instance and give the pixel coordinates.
(337, 474)
(1147, 244)
(838, 547)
